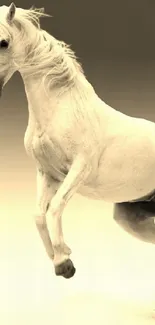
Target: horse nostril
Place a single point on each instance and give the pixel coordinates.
(4, 44)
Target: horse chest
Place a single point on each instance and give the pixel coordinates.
(51, 160)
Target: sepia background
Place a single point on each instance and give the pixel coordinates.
(114, 283)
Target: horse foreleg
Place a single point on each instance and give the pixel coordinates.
(46, 189)
(75, 177)
(137, 219)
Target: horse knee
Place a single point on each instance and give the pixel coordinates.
(40, 221)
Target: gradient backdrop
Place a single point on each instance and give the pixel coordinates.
(114, 283)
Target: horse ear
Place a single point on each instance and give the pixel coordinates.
(11, 12)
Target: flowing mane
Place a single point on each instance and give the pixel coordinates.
(45, 53)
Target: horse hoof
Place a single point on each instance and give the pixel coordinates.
(65, 269)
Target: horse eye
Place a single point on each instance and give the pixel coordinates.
(4, 44)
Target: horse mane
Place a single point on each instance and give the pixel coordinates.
(46, 54)
(33, 14)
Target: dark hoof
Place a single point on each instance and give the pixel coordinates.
(65, 269)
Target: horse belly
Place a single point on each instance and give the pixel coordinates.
(124, 177)
(129, 184)
(116, 191)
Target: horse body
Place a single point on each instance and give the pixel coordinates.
(121, 157)
(79, 143)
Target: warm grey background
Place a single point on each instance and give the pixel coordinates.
(115, 42)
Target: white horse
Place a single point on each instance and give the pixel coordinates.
(78, 142)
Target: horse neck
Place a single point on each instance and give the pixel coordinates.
(41, 103)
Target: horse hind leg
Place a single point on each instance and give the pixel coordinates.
(137, 219)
